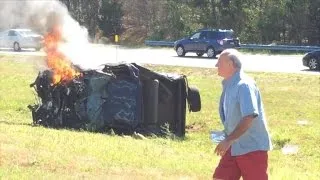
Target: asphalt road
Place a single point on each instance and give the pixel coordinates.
(99, 54)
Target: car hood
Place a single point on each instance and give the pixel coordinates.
(316, 52)
(34, 35)
(183, 39)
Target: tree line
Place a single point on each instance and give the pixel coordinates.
(294, 22)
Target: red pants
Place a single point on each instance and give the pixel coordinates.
(251, 166)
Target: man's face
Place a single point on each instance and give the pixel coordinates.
(225, 66)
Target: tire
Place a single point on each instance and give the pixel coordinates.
(180, 51)
(211, 53)
(16, 46)
(313, 64)
(194, 99)
(199, 54)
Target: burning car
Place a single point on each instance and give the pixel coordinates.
(126, 98)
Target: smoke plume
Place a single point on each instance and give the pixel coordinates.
(41, 16)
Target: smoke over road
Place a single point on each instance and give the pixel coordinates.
(42, 16)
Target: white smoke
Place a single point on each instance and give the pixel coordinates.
(41, 15)
(37, 14)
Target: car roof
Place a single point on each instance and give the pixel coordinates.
(20, 29)
(217, 30)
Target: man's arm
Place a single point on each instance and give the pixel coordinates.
(241, 128)
(249, 110)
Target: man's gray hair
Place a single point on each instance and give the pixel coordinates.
(234, 55)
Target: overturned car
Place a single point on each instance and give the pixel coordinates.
(126, 98)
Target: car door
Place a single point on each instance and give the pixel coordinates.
(11, 37)
(6, 39)
(203, 42)
(1, 39)
(192, 42)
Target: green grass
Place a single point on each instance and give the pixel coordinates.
(28, 152)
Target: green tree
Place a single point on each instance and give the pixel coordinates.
(272, 23)
(313, 23)
(181, 20)
(110, 17)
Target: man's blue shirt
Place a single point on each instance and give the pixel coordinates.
(240, 98)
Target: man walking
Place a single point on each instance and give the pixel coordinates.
(244, 150)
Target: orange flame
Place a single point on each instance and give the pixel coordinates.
(57, 61)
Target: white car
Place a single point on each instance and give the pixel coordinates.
(20, 38)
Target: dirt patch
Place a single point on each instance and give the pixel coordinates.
(13, 156)
(194, 127)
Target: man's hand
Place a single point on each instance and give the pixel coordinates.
(222, 147)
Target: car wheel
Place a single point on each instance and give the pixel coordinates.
(194, 99)
(180, 51)
(211, 52)
(199, 54)
(16, 46)
(313, 64)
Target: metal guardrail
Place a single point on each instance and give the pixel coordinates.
(279, 47)
(248, 46)
(159, 43)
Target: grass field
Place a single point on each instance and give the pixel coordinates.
(28, 152)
